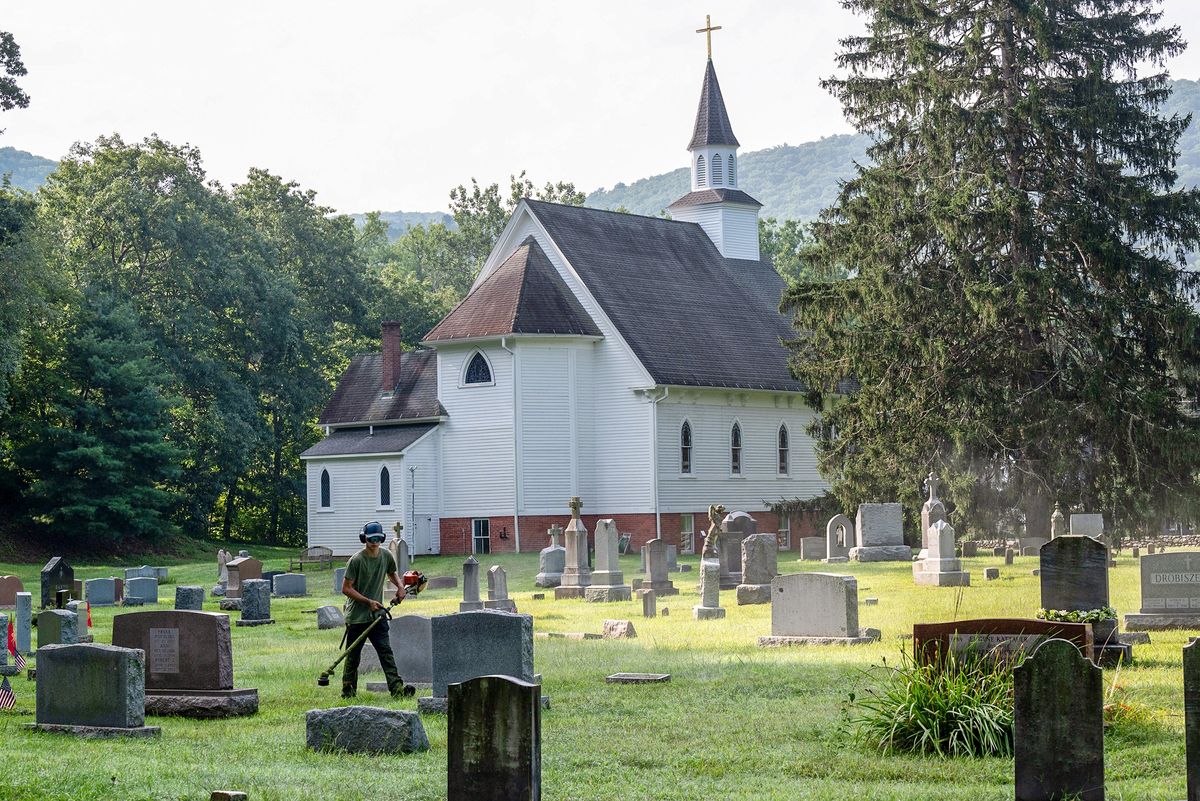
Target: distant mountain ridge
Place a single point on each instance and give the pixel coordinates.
(25, 170)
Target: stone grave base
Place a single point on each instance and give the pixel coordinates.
(1134, 638)
(547, 580)
(266, 622)
(661, 589)
(96, 732)
(433, 705)
(202, 703)
(955, 578)
(638, 678)
(781, 642)
(381, 686)
(835, 560)
(470, 606)
(881, 553)
(507, 605)
(708, 612)
(1113, 653)
(607, 593)
(231, 604)
(561, 592)
(295, 595)
(1160, 622)
(730, 583)
(753, 594)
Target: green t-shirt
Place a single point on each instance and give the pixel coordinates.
(369, 577)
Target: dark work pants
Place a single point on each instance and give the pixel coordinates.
(383, 647)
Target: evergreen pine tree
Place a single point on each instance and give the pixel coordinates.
(1019, 315)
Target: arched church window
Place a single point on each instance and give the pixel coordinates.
(701, 173)
(735, 450)
(385, 487)
(478, 370)
(732, 169)
(717, 173)
(685, 448)
(783, 450)
(325, 489)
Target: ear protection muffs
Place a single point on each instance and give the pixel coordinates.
(370, 528)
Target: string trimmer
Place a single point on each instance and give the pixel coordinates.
(413, 581)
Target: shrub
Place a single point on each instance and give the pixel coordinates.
(962, 706)
(1070, 616)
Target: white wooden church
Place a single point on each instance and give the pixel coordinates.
(633, 361)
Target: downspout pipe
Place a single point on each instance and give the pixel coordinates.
(516, 457)
(654, 455)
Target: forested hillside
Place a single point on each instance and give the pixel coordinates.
(25, 170)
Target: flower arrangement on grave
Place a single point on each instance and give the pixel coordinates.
(1078, 616)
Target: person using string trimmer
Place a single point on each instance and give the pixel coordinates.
(366, 574)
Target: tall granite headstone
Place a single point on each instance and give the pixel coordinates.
(56, 575)
(1058, 721)
(498, 590)
(709, 607)
(658, 569)
(1074, 578)
(577, 575)
(737, 526)
(760, 564)
(932, 511)
(1170, 592)
(91, 691)
(940, 567)
(142, 588)
(101, 591)
(880, 531)
(189, 598)
(552, 561)
(471, 600)
(608, 582)
(480, 643)
(23, 627)
(411, 637)
(1088, 525)
(495, 740)
(256, 603)
(814, 609)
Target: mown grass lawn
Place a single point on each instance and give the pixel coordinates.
(735, 721)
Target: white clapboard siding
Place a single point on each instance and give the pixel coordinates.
(546, 417)
(477, 438)
(732, 228)
(354, 500)
(712, 414)
(422, 487)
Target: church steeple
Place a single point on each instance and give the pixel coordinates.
(728, 215)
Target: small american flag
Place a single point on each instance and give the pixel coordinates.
(12, 648)
(7, 699)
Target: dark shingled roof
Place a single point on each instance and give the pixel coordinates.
(359, 395)
(712, 121)
(692, 317)
(524, 295)
(703, 196)
(386, 439)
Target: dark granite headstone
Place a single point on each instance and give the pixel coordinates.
(92, 690)
(467, 645)
(184, 650)
(1074, 574)
(411, 637)
(1191, 717)
(494, 740)
(56, 575)
(1058, 717)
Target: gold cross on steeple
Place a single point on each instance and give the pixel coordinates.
(707, 31)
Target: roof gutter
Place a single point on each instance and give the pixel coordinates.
(516, 456)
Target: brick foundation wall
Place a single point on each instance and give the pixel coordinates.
(456, 531)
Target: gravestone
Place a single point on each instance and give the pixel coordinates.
(577, 575)
(100, 591)
(1170, 592)
(5, 668)
(940, 568)
(1137, 552)
(1150, 549)
(970, 549)
(1058, 722)
(1087, 525)
(411, 637)
(657, 567)
(364, 730)
(1031, 543)
(760, 554)
(1004, 638)
(814, 609)
(401, 554)
(649, 603)
(839, 539)
(269, 576)
(608, 582)
(91, 691)
(9, 587)
(442, 583)
(142, 588)
(1191, 717)
(241, 569)
(736, 527)
(339, 578)
(880, 531)
(481, 643)
(81, 616)
(470, 570)
(498, 590)
(145, 571)
(290, 585)
(330, 617)
(991, 573)
(188, 663)
(1008, 556)
(709, 607)
(932, 511)
(618, 630)
(23, 625)
(812, 549)
(119, 589)
(494, 731)
(1058, 523)
(256, 603)
(552, 561)
(56, 575)
(189, 598)
(1074, 578)
(223, 557)
(57, 627)
(672, 558)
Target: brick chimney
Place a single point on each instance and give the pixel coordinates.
(391, 354)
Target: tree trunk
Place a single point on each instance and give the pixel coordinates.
(276, 482)
(230, 509)
(1036, 504)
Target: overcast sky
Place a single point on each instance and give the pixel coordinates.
(387, 105)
